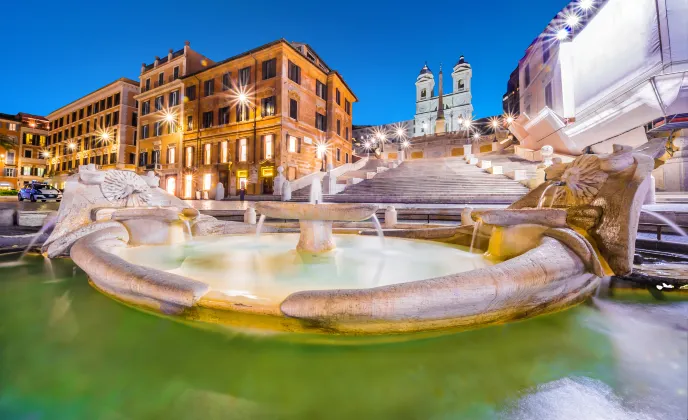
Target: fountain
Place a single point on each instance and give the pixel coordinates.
(539, 260)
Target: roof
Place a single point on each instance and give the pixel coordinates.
(31, 116)
(163, 60)
(266, 46)
(4, 116)
(462, 62)
(121, 79)
(425, 70)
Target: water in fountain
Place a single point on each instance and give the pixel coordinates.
(187, 229)
(48, 267)
(541, 202)
(49, 223)
(259, 226)
(476, 229)
(378, 228)
(666, 220)
(316, 191)
(554, 197)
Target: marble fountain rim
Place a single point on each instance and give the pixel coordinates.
(547, 278)
(329, 212)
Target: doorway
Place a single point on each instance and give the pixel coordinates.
(268, 185)
(171, 185)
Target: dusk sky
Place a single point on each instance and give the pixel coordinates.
(56, 52)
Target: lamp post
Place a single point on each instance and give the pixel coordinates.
(321, 149)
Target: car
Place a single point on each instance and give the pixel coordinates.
(43, 192)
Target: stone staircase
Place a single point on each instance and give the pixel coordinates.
(444, 180)
(368, 171)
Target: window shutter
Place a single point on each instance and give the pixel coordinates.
(262, 147)
(298, 145)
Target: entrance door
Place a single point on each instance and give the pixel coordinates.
(243, 182)
(268, 185)
(171, 185)
(223, 177)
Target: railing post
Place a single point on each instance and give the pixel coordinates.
(659, 232)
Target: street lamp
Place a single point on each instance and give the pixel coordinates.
(321, 149)
(244, 101)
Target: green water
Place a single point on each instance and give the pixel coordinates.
(68, 352)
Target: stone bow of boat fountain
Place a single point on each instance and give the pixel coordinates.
(135, 242)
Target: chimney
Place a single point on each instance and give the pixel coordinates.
(143, 67)
(187, 46)
(169, 55)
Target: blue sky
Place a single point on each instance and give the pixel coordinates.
(55, 52)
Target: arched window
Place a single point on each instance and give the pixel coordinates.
(423, 93)
(460, 85)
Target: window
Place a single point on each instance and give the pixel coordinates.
(144, 131)
(339, 154)
(227, 81)
(224, 151)
(147, 84)
(267, 106)
(145, 108)
(161, 79)
(143, 158)
(188, 156)
(159, 103)
(189, 122)
(174, 98)
(108, 122)
(117, 99)
(527, 75)
(293, 109)
(10, 172)
(268, 146)
(115, 118)
(155, 157)
(269, 68)
(175, 73)
(243, 150)
(339, 128)
(460, 85)
(223, 116)
(81, 113)
(208, 87)
(134, 120)
(346, 158)
(191, 92)
(132, 158)
(320, 89)
(423, 93)
(242, 112)
(207, 154)
(188, 185)
(245, 76)
(10, 157)
(294, 73)
(545, 52)
(171, 155)
(28, 138)
(88, 112)
(26, 170)
(27, 153)
(347, 106)
(548, 95)
(346, 130)
(207, 119)
(207, 178)
(157, 128)
(294, 144)
(338, 96)
(320, 122)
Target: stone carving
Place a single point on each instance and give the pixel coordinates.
(583, 179)
(125, 187)
(151, 179)
(279, 179)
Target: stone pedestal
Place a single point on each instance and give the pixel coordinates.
(250, 216)
(676, 168)
(390, 217)
(219, 192)
(316, 236)
(467, 149)
(286, 191)
(329, 183)
(547, 152)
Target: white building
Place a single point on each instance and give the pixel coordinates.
(457, 103)
(600, 72)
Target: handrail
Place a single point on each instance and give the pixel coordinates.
(306, 180)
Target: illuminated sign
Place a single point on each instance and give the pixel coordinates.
(268, 171)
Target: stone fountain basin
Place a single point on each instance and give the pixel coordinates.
(324, 212)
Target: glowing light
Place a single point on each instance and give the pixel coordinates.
(71, 146)
(467, 123)
(45, 154)
(495, 123)
(476, 136)
(405, 144)
(572, 20)
(400, 132)
(509, 118)
(562, 34)
(242, 97)
(169, 117)
(367, 145)
(586, 4)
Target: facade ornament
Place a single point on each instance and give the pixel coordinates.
(583, 179)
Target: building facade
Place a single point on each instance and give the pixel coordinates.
(99, 128)
(245, 116)
(160, 107)
(9, 151)
(31, 164)
(511, 101)
(456, 104)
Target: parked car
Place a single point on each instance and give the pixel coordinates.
(42, 192)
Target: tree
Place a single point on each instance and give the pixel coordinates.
(7, 142)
